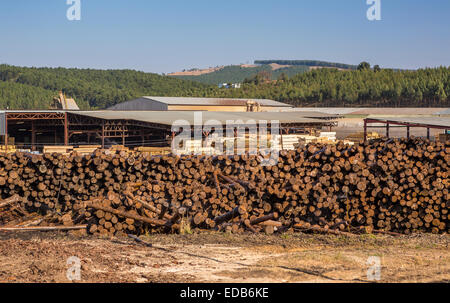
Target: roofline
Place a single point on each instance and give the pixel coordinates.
(281, 104)
(300, 120)
(405, 123)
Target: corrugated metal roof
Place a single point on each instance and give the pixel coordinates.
(35, 111)
(214, 101)
(70, 104)
(169, 117)
(311, 114)
(328, 110)
(375, 110)
(397, 111)
(444, 112)
(436, 121)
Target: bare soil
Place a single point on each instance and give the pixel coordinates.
(219, 257)
(275, 66)
(320, 67)
(197, 72)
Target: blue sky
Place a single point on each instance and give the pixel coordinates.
(169, 35)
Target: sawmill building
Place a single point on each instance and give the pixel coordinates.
(35, 129)
(200, 104)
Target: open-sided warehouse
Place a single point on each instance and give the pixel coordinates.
(32, 129)
(407, 122)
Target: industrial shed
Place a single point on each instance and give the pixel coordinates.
(33, 129)
(428, 123)
(200, 104)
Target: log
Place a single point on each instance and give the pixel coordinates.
(397, 186)
(11, 200)
(272, 216)
(44, 228)
(271, 223)
(129, 215)
(240, 210)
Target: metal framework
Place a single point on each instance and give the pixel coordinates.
(35, 115)
(406, 124)
(113, 128)
(39, 121)
(69, 124)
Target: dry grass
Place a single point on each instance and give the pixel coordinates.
(219, 257)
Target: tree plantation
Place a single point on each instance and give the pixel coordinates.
(34, 88)
(365, 87)
(90, 88)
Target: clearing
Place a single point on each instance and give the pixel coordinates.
(221, 257)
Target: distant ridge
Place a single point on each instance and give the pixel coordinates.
(310, 63)
(238, 73)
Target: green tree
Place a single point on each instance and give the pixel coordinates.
(34, 88)
(441, 95)
(283, 77)
(363, 66)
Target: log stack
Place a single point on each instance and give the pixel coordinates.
(395, 186)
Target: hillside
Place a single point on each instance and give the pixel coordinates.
(238, 73)
(22, 96)
(196, 71)
(34, 88)
(309, 63)
(369, 88)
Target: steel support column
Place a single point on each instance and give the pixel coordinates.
(6, 133)
(103, 134)
(66, 130)
(33, 136)
(365, 130)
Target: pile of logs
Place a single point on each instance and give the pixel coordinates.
(390, 186)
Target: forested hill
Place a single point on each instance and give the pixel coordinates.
(15, 95)
(362, 87)
(34, 88)
(274, 70)
(238, 73)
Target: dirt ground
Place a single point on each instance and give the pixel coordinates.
(219, 257)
